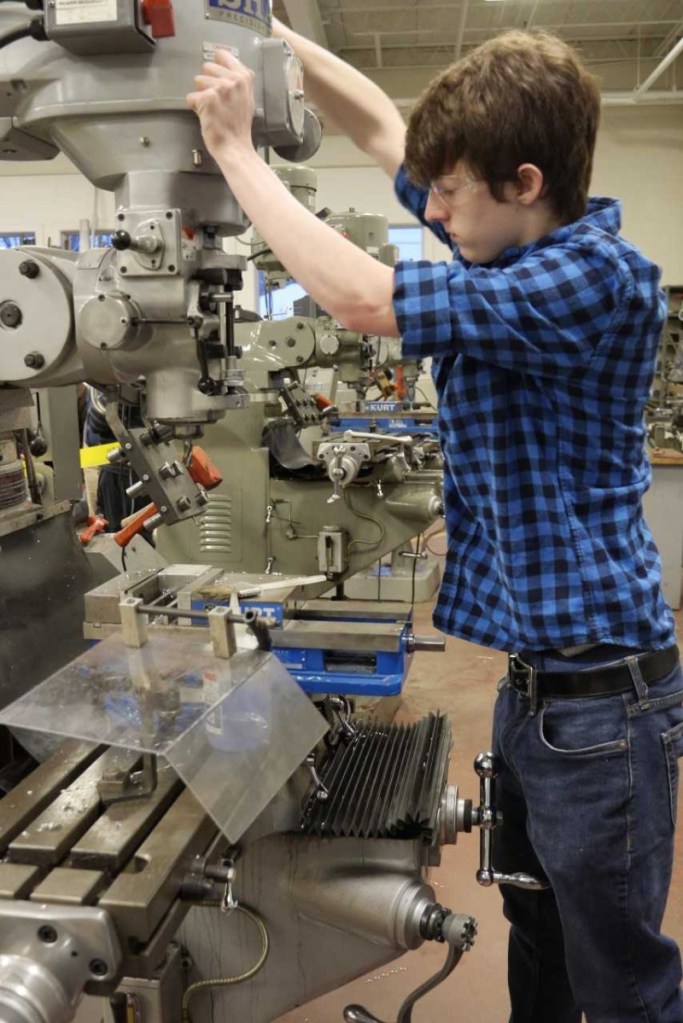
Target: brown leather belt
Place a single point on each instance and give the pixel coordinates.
(604, 680)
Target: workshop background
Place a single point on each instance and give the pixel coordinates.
(633, 46)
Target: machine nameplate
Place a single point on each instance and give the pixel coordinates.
(253, 14)
(78, 12)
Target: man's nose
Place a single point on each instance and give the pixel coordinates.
(436, 209)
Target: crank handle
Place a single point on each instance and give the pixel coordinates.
(488, 878)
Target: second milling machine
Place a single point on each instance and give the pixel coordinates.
(207, 827)
(320, 497)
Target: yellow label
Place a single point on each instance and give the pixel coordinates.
(97, 455)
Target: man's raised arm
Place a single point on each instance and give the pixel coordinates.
(355, 104)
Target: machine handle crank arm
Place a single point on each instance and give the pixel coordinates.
(487, 818)
(459, 931)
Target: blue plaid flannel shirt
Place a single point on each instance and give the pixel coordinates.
(542, 361)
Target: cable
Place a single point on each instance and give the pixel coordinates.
(203, 985)
(23, 32)
(33, 29)
(430, 404)
(441, 531)
(369, 518)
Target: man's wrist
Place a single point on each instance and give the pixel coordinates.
(234, 154)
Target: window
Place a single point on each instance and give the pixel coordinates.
(285, 301)
(408, 240)
(12, 240)
(71, 240)
(278, 303)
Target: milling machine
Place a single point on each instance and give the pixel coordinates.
(207, 827)
(336, 502)
(318, 499)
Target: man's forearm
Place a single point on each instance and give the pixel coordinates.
(356, 104)
(349, 284)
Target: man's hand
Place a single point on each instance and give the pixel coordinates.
(224, 103)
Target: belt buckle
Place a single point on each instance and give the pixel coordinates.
(522, 678)
(519, 674)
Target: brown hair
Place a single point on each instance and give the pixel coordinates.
(522, 97)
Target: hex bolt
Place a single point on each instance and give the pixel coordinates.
(29, 268)
(34, 360)
(47, 934)
(98, 967)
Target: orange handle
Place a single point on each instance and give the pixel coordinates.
(202, 469)
(94, 524)
(134, 525)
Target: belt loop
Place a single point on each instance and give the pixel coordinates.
(533, 692)
(637, 678)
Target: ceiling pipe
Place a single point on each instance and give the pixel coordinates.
(650, 99)
(659, 70)
(609, 99)
(461, 28)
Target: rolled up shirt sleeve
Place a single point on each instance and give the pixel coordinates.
(414, 199)
(549, 310)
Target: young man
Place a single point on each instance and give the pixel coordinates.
(543, 330)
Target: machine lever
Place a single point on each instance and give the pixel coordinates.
(487, 817)
(460, 935)
(321, 791)
(340, 705)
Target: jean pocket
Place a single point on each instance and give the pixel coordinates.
(584, 728)
(672, 741)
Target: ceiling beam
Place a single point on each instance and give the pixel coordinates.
(304, 17)
(660, 69)
(461, 28)
(532, 15)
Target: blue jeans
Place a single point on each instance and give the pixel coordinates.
(588, 792)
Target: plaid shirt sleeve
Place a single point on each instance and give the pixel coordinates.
(548, 311)
(414, 199)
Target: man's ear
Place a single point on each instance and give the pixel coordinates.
(530, 184)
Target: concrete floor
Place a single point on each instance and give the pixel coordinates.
(460, 682)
